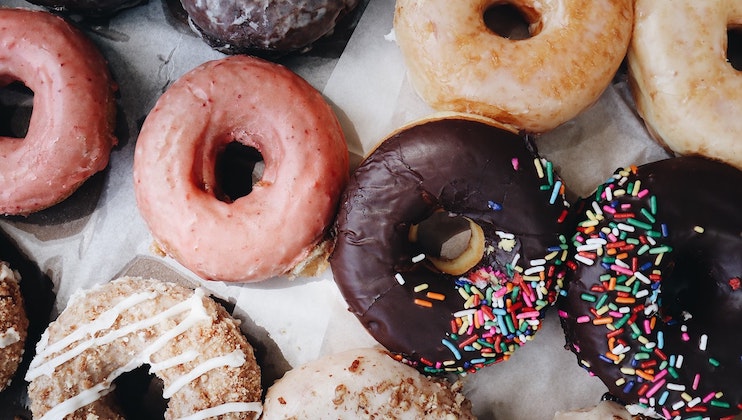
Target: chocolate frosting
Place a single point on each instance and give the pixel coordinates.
(469, 168)
(684, 240)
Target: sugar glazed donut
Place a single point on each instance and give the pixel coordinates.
(13, 324)
(656, 292)
(263, 27)
(686, 90)
(456, 63)
(70, 134)
(433, 311)
(261, 105)
(189, 341)
(363, 383)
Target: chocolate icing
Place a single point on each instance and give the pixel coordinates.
(262, 27)
(465, 167)
(698, 208)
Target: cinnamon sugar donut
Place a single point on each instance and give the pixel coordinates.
(685, 88)
(70, 134)
(13, 324)
(456, 63)
(189, 341)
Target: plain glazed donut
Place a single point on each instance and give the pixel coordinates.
(262, 105)
(655, 295)
(456, 63)
(687, 92)
(13, 324)
(463, 166)
(363, 383)
(70, 134)
(265, 27)
(189, 341)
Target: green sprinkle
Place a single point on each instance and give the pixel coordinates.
(660, 250)
(714, 362)
(638, 223)
(588, 297)
(722, 404)
(649, 216)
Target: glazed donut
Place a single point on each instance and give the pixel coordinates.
(363, 383)
(261, 105)
(656, 287)
(70, 134)
(262, 27)
(687, 92)
(13, 324)
(456, 63)
(92, 8)
(427, 315)
(188, 340)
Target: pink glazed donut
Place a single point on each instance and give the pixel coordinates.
(70, 134)
(279, 225)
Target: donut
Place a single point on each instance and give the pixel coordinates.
(89, 8)
(434, 316)
(262, 27)
(685, 88)
(455, 61)
(363, 383)
(13, 324)
(654, 291)
(70, 134)
(241, 100)
(190, 342)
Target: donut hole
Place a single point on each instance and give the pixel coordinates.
(238, 169)
(139, 394)
(734, 47)
(16, 106)
(511, 22)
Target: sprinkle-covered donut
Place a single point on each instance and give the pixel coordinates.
(13, 324)
(452, 317)
(264, 27)
(242, 101)
(363, 383)
(655, 301)
(70, 134)
(190, 342)
(685, 87)
(457, 63)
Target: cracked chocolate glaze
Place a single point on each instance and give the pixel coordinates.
(654, 306)
(468, 167)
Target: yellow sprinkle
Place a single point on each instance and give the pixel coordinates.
(686, 396)
(420, 287)
(463, 293)
(539, 168)
(637, 187)
(699, 229)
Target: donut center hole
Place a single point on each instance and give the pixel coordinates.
(452, 243)
(238, 169)
(734, 47)
(16, 106)
(139, 394)
(509, 21)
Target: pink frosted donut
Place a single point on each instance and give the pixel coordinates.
(70, 134)
(283, 221)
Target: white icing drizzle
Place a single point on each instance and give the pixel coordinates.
(176, 360)
(10, 336)
(233, 359)
(232, 407)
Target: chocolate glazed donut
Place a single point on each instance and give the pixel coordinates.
(655, 305)
(465, 167)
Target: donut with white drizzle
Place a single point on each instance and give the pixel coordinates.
(655, 301)
(13, 324)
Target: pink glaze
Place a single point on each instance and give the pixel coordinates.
(279, 223)
(70, 134)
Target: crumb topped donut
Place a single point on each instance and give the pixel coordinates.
(453, 172)
(253, 103)
(686, 89)
(363, 383)
(70, 134)
(264, 27)
(655, 295)
(13, 324)
(456, 63)
(189, 341)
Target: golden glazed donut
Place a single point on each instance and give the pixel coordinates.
(13, 324)
(70, 134)
(189, 341)
(688, 94)
(456, 63)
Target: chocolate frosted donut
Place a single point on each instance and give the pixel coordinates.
(655, 301)
(465, 167)
(263, 27)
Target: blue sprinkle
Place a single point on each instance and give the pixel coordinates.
(628, 386)
(660, 340)
(478, 361)
(605, 359)
(555, 192)
(453, 348)
(663, 397)
(664, 230)
(494, 206)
